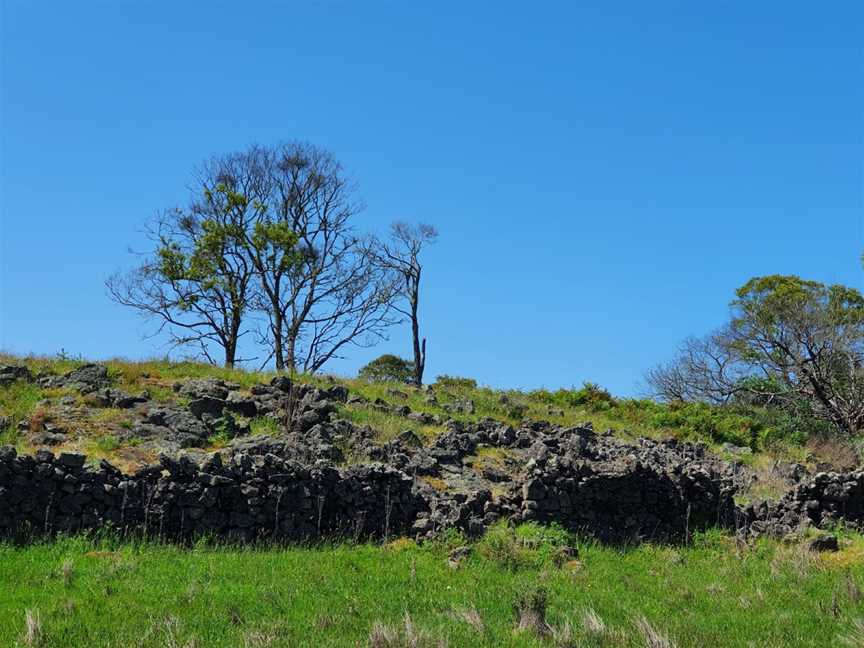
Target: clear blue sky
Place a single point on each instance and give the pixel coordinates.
(603, 175)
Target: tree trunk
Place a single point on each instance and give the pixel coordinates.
(230, 353)
(277, 341)
(290, 357)
(419, 351)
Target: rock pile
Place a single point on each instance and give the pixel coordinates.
(821, 501)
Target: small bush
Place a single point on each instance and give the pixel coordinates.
(455, 382)
(592, 396)
(388, 368)
(107, 443)
(527, 545)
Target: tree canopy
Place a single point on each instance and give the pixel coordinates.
(790, 343)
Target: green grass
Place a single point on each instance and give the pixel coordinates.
(110, 593)
(106, 444)
(264, 425)
(388, 426)
(17, 401)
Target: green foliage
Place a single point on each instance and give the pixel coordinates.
(773, 300)
(17, 401)
(591, 396)
(526, 546)
(388, 368)
(106, 443)
(274, 243)
(702, 421)
(264, 425)
(455, 382)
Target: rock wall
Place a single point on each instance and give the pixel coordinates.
(249, 497)
(823, 501)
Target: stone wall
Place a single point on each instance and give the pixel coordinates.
(822, 501)
(249, 497)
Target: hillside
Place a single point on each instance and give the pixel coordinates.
(383, 514)
(469, 455)
(60, 414)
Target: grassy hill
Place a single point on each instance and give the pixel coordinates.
(515, 586)
(768, 433)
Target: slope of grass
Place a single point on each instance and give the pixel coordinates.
(79, 592)
(17, 401)
(629, 418)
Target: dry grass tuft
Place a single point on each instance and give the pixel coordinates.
(436, 483)
(68, 573)
(401, 544)
(33, 635)
(530, 612)
(592, 623)
(839, 453)
(594, 632)
(258, 639)
(652, 637)
(171, 630)
(853, 591)
(38, 419)
(854, 635)
(472, 617)
(795, 557)
(408, 636)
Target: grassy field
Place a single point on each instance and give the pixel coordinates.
(79, 592)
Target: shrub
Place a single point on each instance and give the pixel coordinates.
(525, 546)
(591, 395)
(388, 368)
(455, 382)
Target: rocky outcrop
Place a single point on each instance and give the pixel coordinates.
(296, 484)
(85, 379)
(822, 501)
(11, 373)
(592, 484)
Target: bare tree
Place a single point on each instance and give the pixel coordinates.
(703, 370)
(333, 294)
(401, 256)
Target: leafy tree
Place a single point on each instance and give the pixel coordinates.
(388, 368)
(245, 182)
(210, 261)
(809, 339)
(197, 281)
(269, 231)
(790, 343)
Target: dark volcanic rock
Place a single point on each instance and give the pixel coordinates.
(824, 543)
(87, 378)
(294, 486)
(204, 388)
(11, 373)
(207, 405)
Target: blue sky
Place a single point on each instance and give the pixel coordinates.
(603, 175)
